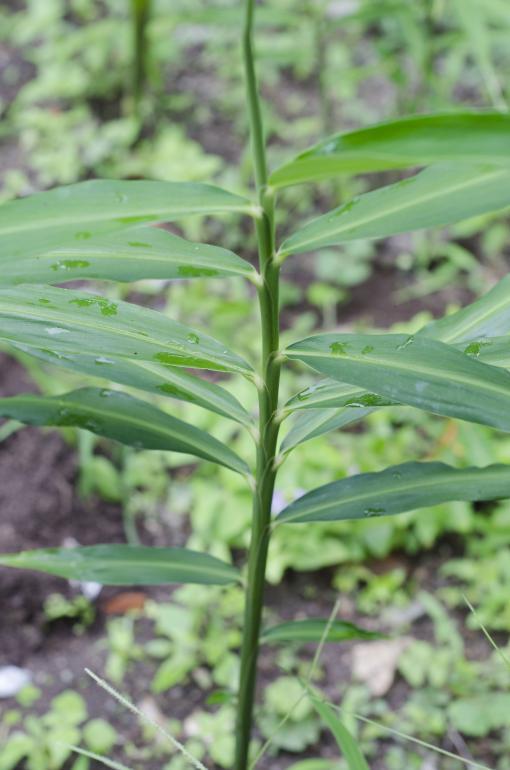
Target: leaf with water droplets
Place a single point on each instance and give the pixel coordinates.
(464, 138)
(315, 422)
(132, 254)
(413, 370)
(126, 565)
(121, 417)
(488, 316)
(328, 394)
(398, 489)
(94, 326)
(75, 215)
(173, 382)
(436, 197)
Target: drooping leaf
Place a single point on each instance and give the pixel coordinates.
(68, 322)
(130, 254)
(436, 197)
(398, 489)
(315, 422)
(417, 371)
(123, 565)
(123, 418)
(170, 381)
(302, 631)
(345, 741)
(418, 140)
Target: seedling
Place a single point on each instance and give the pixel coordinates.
(101, 230)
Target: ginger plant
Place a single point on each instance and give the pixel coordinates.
(103, 230)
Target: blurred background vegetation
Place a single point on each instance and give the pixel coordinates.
(76, 102)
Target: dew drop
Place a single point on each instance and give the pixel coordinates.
(408, 341)
(338, 348)
(70, 264)
(374, 511)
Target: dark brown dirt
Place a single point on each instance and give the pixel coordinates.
(39, 507)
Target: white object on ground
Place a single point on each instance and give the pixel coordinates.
(12, 680)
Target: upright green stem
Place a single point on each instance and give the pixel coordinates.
(140, 13)
(268, 405)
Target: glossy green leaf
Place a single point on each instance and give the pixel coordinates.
(438, 196)
(170, 381)
(418, 140)
(331, 394)
(490, 350)
(398, 489)
(488, 316)
(302, 631)
(124, 565)
(417, 371)
(470, 329)
(123, 418)
(116, 203)
(315, 422)
(345, 741)
(69, 323)
(132, 254)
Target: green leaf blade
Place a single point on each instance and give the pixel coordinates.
(122, 418)
(398, 489)
(488, 316)
(436, 197)
(115, 203)
(346, 743)
(312, 630)
(418, 140)
(71, 323)
(313, 423)
(131, 254)
(416, 371)
(126, 565)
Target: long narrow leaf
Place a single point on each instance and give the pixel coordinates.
(345, 741)
(115, 202)
(332, 394)
(170, 381)
(68, 323)
(419, 140)
(417, 371)
(129, 255)
(123, 565)
(488, 316)
(436, 197)
(316, 422)
(122, 418)
(398, 489)
(302, 631)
